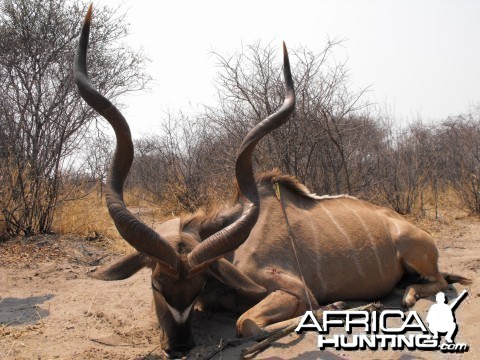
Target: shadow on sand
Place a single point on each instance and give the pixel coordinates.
(16, 311)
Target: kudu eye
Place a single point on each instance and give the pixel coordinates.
(156, 287)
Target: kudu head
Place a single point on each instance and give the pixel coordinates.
(181, 260)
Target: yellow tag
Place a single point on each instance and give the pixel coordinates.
(276, 187)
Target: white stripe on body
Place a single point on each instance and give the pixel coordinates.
(349, 239)
(370, 238)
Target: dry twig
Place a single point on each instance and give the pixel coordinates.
(232, 343)
(112, 344)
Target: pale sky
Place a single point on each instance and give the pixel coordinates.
(419, 58)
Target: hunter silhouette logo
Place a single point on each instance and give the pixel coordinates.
(441, 318)
(381, 333)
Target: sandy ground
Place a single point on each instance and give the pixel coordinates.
(51, 309)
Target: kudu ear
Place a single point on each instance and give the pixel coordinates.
(123, 268)
(228, 274)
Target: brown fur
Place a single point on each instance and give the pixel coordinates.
(288, 182)
(348, 249)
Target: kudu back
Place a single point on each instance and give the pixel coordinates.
(347, 248)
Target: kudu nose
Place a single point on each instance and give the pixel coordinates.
(177, 351)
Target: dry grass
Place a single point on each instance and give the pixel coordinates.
(88, 218)
(449, 206)
(437, 219)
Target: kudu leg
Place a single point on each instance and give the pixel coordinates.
(276, 307)
(417, 291)
(418, 254)
(423, 261)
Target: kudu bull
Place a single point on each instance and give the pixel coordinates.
(347, 248)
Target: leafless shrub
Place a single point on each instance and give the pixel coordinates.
(320, 145)
(42, 119)
(176, 168)
(460, 139)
